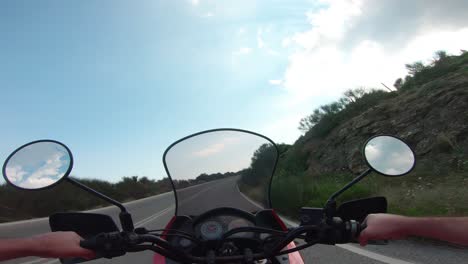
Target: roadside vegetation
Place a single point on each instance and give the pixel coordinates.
(437, 186)
(17, 204)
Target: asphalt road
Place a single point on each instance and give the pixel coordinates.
(154, 213)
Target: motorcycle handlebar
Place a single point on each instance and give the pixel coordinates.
(116, 244)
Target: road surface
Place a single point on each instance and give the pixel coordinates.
(154, 212)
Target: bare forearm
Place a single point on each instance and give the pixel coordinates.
(450, 229)
(16, 248)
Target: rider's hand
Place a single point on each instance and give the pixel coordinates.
(383, 227)
(60, 245)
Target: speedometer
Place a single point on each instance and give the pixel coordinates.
(211, 230)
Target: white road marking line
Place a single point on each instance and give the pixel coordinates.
(195, 195)
(354, 249)
(248, 199)
(52, 261)
(372, 255)
(153, 217)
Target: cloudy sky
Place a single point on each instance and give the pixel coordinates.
(118, 81)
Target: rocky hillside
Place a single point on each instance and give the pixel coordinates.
(430, 113)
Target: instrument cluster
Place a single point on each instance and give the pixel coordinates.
(213, 228)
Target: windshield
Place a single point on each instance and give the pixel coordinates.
(221, 168)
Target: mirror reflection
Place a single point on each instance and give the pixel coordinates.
(37, 165)
(389, 155)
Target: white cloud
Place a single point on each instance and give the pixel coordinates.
(286, 42)
(328, 59)
(328, 24)
(50, 172)
(194, 2)
(40, 175)
(210, 150)
(372, 153)
(242, 51)
(208, 14)
(15, 173)
(275, 82)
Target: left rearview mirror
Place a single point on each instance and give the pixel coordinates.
(38, 165)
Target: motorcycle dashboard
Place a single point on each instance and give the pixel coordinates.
(213, 228)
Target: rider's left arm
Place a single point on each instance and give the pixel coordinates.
(49, 245)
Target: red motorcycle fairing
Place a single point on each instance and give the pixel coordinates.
(293, 258)
(157, 258)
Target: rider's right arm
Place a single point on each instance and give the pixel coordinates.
(450, 229)
(388, 226)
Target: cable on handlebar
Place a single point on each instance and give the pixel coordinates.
(191, 238)
(293, 234)
(301, 247)
(164, 244)
(252, 229)
(169, 230)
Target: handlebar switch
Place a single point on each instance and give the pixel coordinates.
(141, 230)
(311, 216)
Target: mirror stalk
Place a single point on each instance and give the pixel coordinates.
(96, 193)
(126, 221)
(125, 217)
(330, 207)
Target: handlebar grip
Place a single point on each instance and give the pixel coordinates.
(89, 244)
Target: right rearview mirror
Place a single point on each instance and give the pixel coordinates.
(389, 155)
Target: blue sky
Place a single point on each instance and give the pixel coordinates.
(118, 81)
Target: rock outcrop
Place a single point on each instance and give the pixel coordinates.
(432, 118)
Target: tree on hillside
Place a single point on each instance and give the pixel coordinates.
(440, 55)
(398, 83)
(353, 94)
(310, 121)
(261, 166)
(415, 68)
(350, 96)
